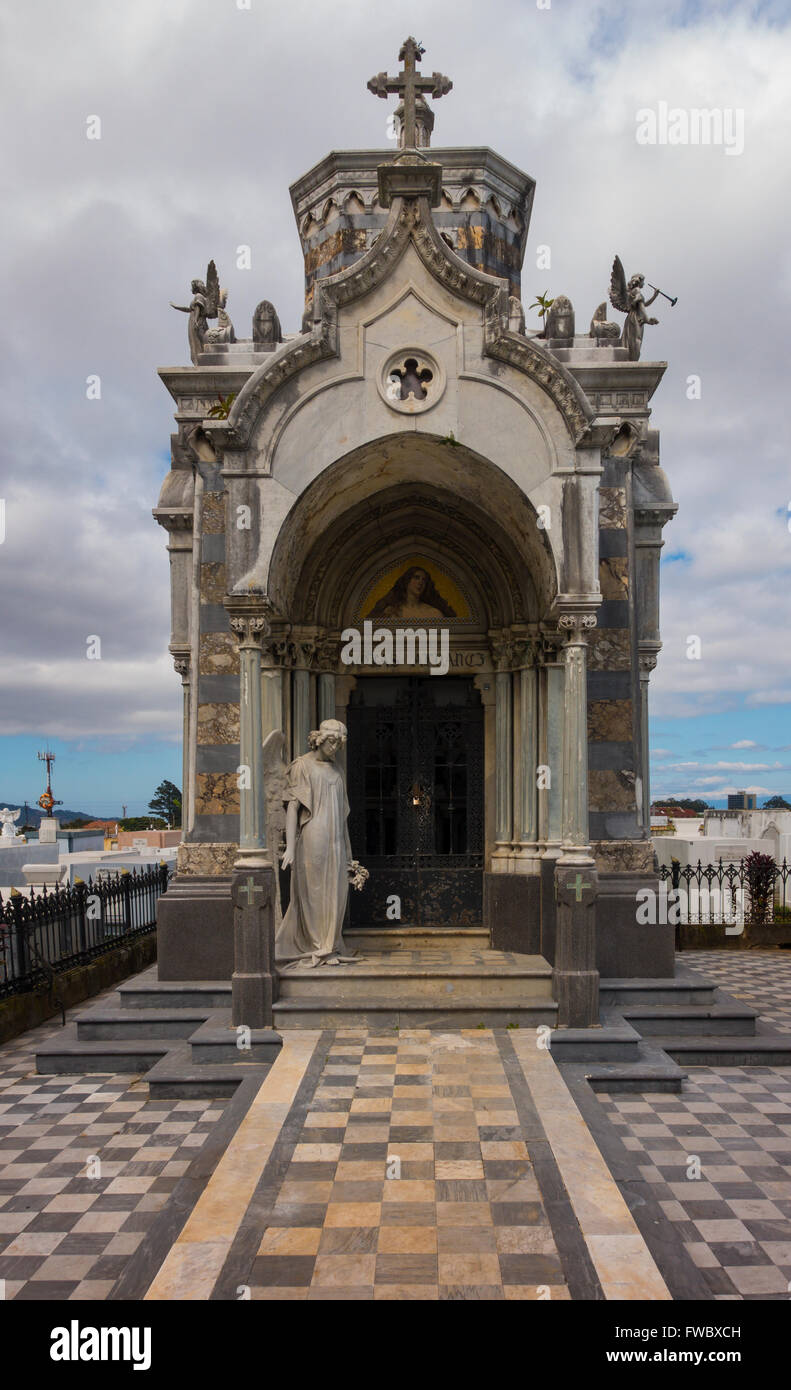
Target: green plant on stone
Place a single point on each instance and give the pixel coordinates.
(543, 304)
(222, 409)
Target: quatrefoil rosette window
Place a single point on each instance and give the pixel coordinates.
(411, 381)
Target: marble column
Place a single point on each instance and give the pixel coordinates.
(300, 690)
(503, 739)
(250, 626)
(253, 983)
(555, 677)
(326, 699)
(576, 843)
(647, 664)
(527, 816)
(183, 665)
(575, 977)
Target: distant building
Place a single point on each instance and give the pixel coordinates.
(742, 801)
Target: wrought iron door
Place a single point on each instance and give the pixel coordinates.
(415, 776)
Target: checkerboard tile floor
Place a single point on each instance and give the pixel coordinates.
(86, 1163)
(735, 1218)
(410, 1180)
(759, 978)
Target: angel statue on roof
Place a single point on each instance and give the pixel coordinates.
(204, 306)
(307, 801)
(629, 298)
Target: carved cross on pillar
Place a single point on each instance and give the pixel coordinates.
(410, 85)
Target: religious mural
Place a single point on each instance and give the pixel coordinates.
(415, 590)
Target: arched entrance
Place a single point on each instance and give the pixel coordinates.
(411, 587)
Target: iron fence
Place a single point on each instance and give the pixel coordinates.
(44, 934)
(724, 894)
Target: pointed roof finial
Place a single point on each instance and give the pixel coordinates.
(410, 85)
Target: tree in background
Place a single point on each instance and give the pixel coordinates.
(166, 802)
(143, 823)
(776, 803)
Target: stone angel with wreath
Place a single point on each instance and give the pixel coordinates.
(204, 306)
(307, 802)
(630, 300)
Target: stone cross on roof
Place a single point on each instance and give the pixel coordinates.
(410, 86)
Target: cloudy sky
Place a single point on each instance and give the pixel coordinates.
(209, 109)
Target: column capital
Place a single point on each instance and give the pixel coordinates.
(182, 661)
(575, 626)
(250, 618)
(647, 655)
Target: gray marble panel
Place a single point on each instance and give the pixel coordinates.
(218, 757)
(213, 618)
(215, 830)
(212, 549)
(609, 685)
(610, 756)
(613, 542)
(218, 690)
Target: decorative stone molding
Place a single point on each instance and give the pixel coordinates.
(623, 856)
(410, 218)
(411, 381)
(209, 860)
(576, 627)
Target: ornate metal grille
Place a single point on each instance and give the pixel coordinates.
(415, 769)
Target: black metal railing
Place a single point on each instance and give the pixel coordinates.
(57, 929)
(723, 894)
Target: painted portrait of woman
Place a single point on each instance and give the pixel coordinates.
(414, 595)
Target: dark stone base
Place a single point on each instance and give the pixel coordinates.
(512, 912)
(624, 948)
(549, 920)
(195, 929)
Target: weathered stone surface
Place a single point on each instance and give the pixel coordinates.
(612, 507)
(610, 649)
(610, 721)
(614, 577)
(623, 856)
(212, 583)
(213, 514)
(219, 654)
(216, 793)
(210, 860)
(218, 723)
(610, 791)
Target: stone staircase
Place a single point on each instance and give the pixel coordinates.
(652, 1029)
(180, 1034)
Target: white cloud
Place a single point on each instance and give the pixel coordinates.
(208, 114)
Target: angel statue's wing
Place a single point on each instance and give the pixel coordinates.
(618, 294)
(275, 796)
(212, 291)
(17, 814)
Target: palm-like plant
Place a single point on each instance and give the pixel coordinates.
(222, 409)
(543, 304)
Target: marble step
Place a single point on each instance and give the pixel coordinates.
(104, 1023)
(652, 1070)
(204, 995)
(178, 1076)
(682, 989)
(698, 1020)
(763, 1050)
(438, 985)
(614, 1041)
(68, 1055)
(416, 938)
(400, 1010)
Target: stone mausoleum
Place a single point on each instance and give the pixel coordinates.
(412, 458)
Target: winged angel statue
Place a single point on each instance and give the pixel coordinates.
(307, 802)
(205, 305)
(630, 300)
